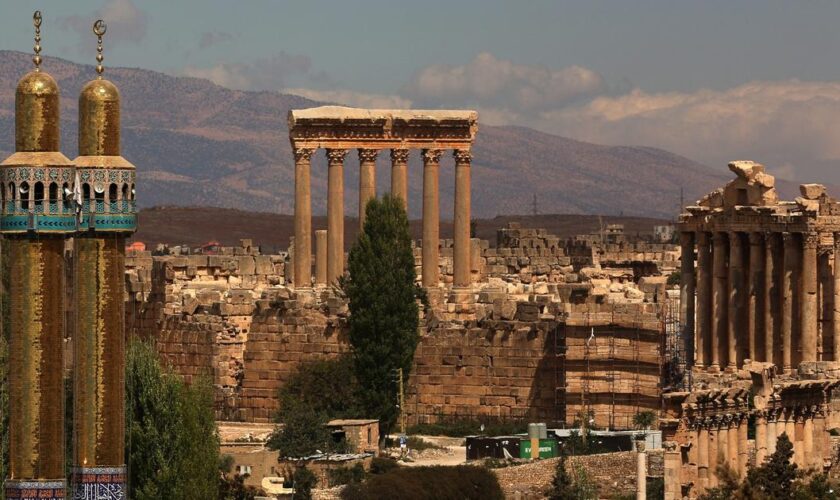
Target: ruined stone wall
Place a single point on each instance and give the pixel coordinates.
(508, 353)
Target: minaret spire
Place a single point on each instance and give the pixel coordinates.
(99, 29)
(36, 21)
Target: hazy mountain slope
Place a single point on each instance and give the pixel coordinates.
(196, 143)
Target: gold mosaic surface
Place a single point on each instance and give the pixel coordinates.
(37, 113)
(99, 119)
(36, 355)
(99, 352)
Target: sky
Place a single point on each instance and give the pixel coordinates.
(712, 80)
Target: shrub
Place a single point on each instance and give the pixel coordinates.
(418, 444)
(304, 480)
(382, 465)
(432, 483)
(346, 475)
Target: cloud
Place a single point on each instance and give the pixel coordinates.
(269, 73)
(490, 82)
(792, 124)
(210, 38)
(126, 24)
(352, 98)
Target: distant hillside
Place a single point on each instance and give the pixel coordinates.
(196, 143)
(198, 225)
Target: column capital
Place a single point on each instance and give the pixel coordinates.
(810, 240)
(336, 156)
(399, 156)
(431, 156)
(756, 238)
(719, 237)
(367, 155)
(789, 238)
(462, 156)
(734, 238)
(303, 154)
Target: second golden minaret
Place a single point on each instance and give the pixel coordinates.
(105, 198)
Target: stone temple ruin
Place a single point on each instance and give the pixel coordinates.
(760, 328)
(533, 327)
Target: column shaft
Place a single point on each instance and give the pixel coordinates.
(808, 297)
(820, 435)
(772, 297)
(755, 296)
(719, 302)
(461, 226)
(771, 437)
(302, 267)
(723, 445)
(713, 455)
(788, 296)
(760, 439)
(335, 214)
(733, 451)
(704, 299)
(321, 257)
(399, 175)
(367, 181)
(431, 217)
(743, 450)
(836, 295)
(687, 287)
(641, 474)
(736, 301)
(808, 442)
(703, 457)
(799, 440)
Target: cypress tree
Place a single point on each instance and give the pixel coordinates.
(382, 293)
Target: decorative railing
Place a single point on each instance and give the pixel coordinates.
(55, 206)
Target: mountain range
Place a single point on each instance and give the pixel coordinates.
(198, 144)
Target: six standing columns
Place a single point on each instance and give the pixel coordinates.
(334, 247)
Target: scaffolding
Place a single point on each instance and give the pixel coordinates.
(600, 358)
(560, 372)
(676, 372)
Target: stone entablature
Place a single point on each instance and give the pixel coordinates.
(338, 127)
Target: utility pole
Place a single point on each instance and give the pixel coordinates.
(402, 405)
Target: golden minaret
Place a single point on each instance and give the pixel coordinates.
(35, 222)
(107, 216)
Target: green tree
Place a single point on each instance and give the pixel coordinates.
(304, 480)
(644, 419)
(562, 486)
(775, 478)
(382, 293)
(4, 414)
(172, 440)
(308, 401)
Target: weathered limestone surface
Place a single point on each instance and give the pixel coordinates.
(522, 348)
